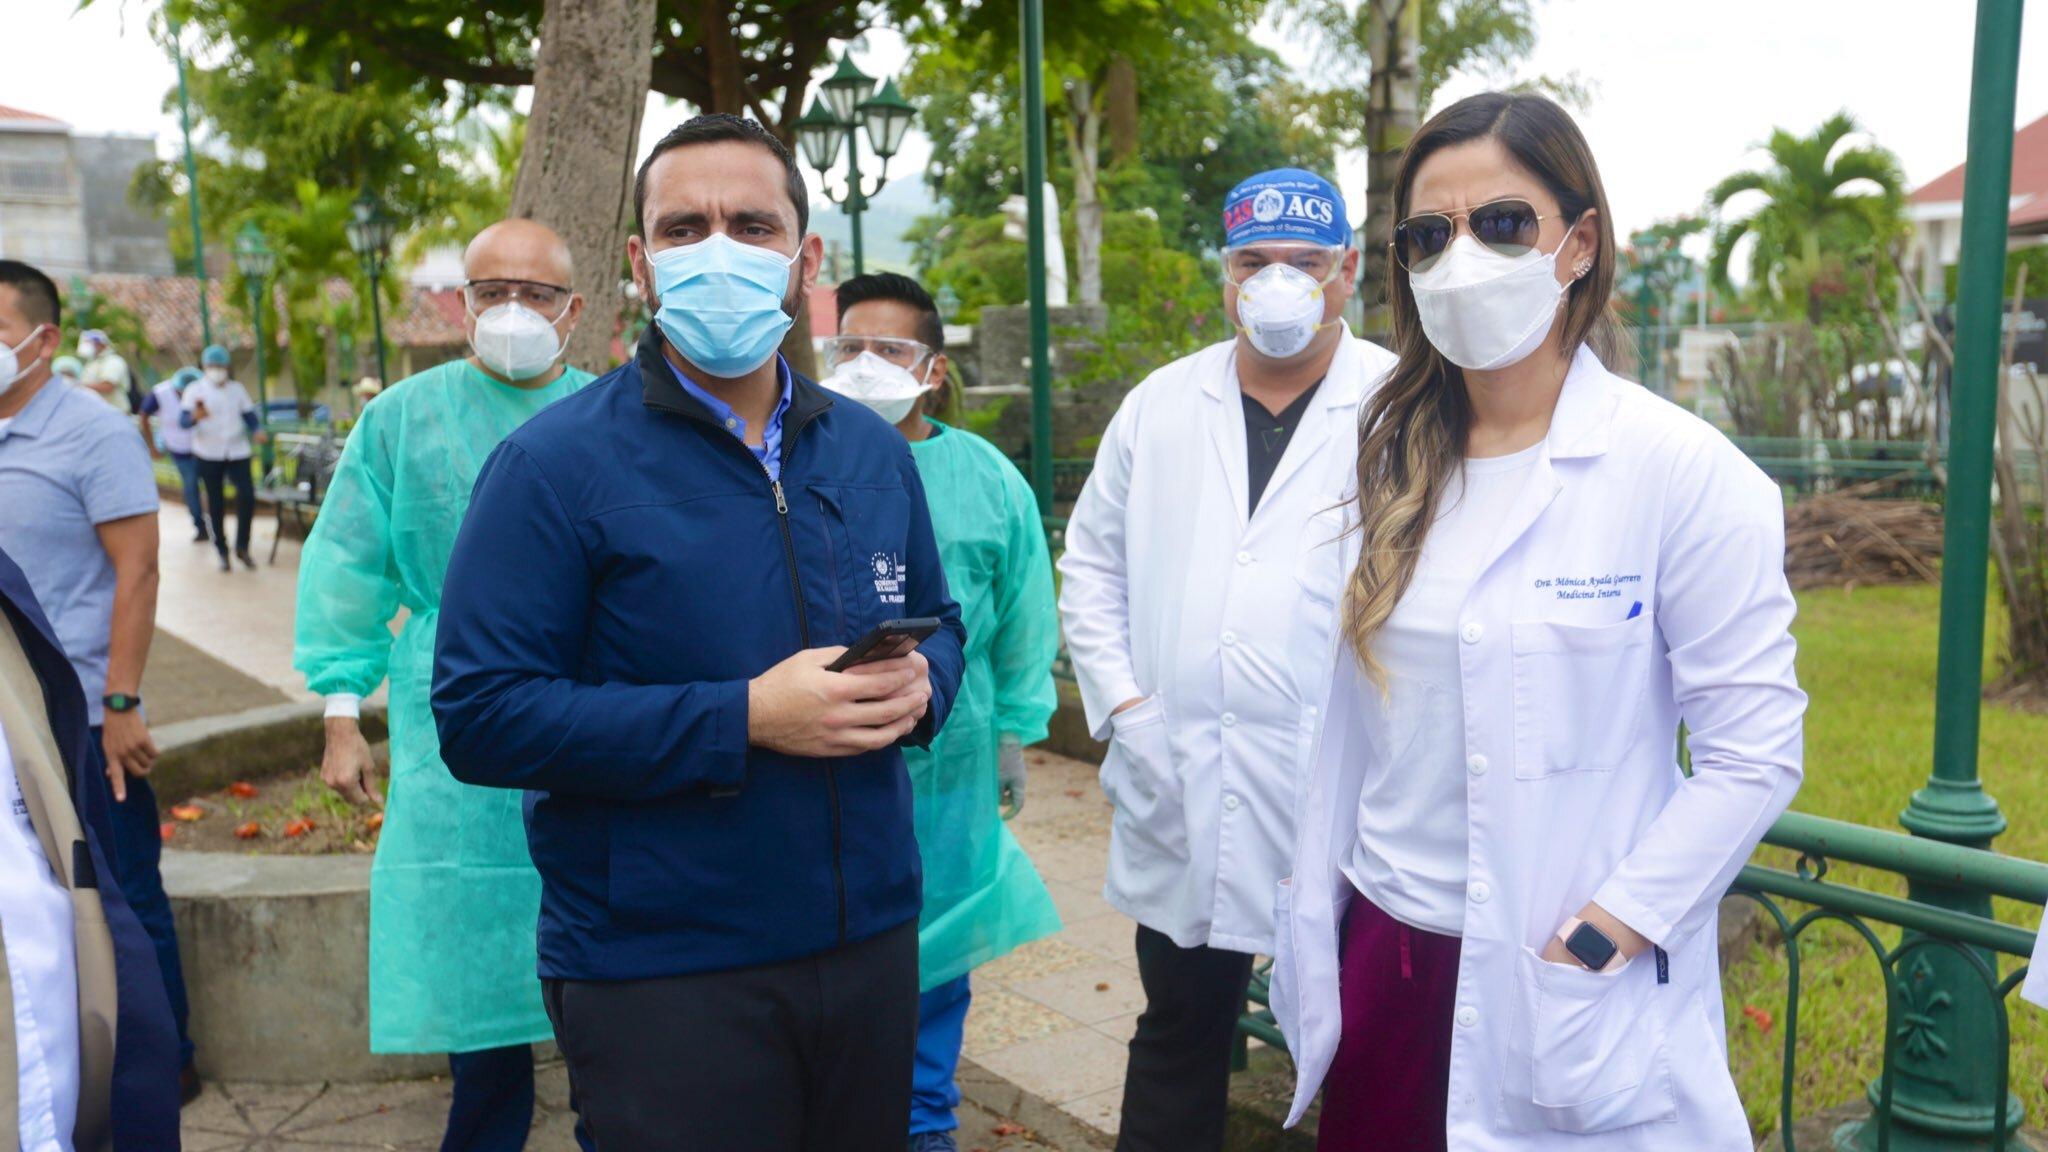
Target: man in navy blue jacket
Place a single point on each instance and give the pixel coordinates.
(639, 611)
(119, 1084)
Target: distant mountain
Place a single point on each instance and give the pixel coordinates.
(883, 223)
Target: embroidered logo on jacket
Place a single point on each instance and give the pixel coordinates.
(888, 570)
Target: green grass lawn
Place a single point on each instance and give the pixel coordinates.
(1867, 659)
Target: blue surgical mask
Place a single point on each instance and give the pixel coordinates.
(721, 302)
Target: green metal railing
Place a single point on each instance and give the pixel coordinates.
(1922, 1013)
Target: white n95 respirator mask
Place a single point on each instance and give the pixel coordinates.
(888, 389)
(515, 341)
(1280, 309)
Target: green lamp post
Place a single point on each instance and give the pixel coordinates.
(255, 261)
(1948, 1035)
(845, 108)
(369, 233)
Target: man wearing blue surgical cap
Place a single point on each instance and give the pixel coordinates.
(1216, 495)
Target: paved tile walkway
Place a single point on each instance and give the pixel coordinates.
(409, 1116)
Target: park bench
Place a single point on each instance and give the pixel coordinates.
(298, 481)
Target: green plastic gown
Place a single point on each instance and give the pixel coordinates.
(982, 897)
(454, 898)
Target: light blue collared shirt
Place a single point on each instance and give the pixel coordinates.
(770, 451)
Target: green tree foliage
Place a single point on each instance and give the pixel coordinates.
(289, 131)
(1485, 38)
(1829, 209)
(1655, 265)
(86, 309)
(1108, 62)
(753, 57)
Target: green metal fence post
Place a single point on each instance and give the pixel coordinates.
(1032, 13)
(1948, 1090)
(192, 190)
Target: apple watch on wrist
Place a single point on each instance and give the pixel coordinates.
(1590, 946)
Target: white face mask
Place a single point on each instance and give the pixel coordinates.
(217, 374)
(515, 341)
(11, 369)
(1280, 309)
(887, 389)
(1483, 310)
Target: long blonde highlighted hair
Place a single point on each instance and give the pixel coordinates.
(1411, 435)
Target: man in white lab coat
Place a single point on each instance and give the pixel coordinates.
(1199, 648)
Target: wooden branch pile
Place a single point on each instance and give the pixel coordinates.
(1849, 538)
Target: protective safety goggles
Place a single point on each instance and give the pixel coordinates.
(903, 353)
(1508, 226)
(550, 300)
(1320, 262)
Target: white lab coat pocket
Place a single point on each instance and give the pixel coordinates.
(1138, 777)
(1579, 693)
(1282, 995)
(1587, 1051)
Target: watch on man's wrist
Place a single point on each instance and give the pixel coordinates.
(1590, 946)
(121, 702)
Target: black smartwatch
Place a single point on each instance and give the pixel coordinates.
(121, 702)
(1590, 946)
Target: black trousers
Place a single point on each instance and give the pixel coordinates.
(1177, 1083)
(216, 474)
(810, 1055)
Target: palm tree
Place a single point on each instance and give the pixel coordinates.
(1811, 217)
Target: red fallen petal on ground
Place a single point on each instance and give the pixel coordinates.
(1074, 793)
(166, 831)
(242, 789)
(1763, 1020)
(375, 822)
(1008, 1129)
(188, 812)
(297, 828)
(249, 831)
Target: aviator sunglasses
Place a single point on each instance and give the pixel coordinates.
(1507, 226)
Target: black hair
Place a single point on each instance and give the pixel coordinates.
(711, 128)
(931, 330)
(39, 300)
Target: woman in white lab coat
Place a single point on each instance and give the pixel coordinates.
(1499, 931)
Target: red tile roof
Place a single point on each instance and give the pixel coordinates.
(23, 118)
(2029, 178)
(169, 309)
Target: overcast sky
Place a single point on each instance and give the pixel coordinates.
(1681, 91)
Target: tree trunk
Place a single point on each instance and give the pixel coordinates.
(1392, 115)
(1121, 98)
(1084, 145)
(582, 137)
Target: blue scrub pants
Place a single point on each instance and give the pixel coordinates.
(138, 849)
(941, 1024)
(493, 1106)
(188, 482)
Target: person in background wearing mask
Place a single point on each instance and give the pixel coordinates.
(367, 389)
(78, 512)
(1201, 655)
(636, 630)
(982, 898)
(67, 370)
(1500, 927)
(453, 894)
(174, 439)
(223, 422)
(105, 372)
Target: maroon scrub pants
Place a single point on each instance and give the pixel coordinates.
(1389, 1084)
